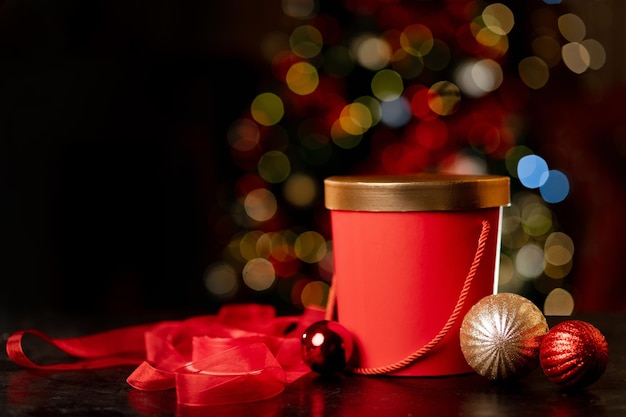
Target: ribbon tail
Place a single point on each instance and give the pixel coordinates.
(96, 351)
(148, 378)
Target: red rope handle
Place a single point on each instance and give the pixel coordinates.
(480, 249)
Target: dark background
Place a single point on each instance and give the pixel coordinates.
(112, 122)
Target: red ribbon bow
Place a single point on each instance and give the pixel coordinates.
(244, 353)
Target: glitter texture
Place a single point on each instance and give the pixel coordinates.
(574, 354)
(501, 335)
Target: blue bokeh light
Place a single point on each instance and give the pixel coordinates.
(396, 113)
(556, 188)
(532, 171)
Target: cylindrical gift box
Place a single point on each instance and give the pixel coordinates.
(404, 249)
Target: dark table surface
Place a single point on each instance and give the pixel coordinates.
(104, 392)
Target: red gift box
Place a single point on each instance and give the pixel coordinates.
(412, 254)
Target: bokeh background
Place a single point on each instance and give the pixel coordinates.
(169, 155)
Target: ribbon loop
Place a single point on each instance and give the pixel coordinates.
(244, 353)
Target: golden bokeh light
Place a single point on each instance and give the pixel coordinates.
(576, 57)
(267, 109)
(258, 274)
(387, 85)
(248, 244)
(221, 280)
(344, 139)
(274, 167)
(559, 302)
(300, 9)
(355, 118)
(534, 72)
(310, 246)
(314, 294)
(536, 218)
(417, 40)
(300, 190)
(498, 18)
(572, 27)
(559, 248)
(597, 54)
(444, 98)
(260, 204)
(373, 106)
(306, 41)
(302, 78)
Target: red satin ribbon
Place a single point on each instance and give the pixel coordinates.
(244, 353)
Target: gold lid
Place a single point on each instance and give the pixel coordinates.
(416, 192)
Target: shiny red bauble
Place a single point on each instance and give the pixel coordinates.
(574, 354)
(326, 347)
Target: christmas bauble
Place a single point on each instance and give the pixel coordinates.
(501, 335)
(326, 347)
(574, 354)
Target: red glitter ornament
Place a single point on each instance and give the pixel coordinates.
(574, 354)
(326, 347)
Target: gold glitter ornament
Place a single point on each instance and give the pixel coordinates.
(501, 335)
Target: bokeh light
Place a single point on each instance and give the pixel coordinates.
(300, 190)
(559, 254)
(396, 90)
(258, 274)
(371, 52)
(534, 72)
(260, 204)
(444, 98)
(395, 113)
(267, 109)
(597, 54)
(306, 41)
(299, 8)
(572, 27)
(529, 261)
(555, 188)
(532, 171)
(559, 302)
(221, 280)
(477, 78)
(314, 294)
(355, 119)
(498, 18)
(576, 57)
(302, 78)
(387, 85)
(274, 166)
(417, 40)
(310, 246)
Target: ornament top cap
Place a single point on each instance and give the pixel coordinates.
(416, 192)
